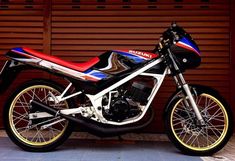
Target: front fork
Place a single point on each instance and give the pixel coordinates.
(179, 79)
(181, 83)
(193, 104)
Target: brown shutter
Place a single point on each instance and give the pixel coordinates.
(81, 29)
(21, 24)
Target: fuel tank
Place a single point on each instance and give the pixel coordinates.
(117, 62)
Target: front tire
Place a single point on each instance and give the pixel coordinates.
(191, 138)
(27, 133)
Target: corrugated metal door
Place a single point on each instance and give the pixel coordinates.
(21, 24)
(80, 29)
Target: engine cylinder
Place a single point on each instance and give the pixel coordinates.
(139, 92)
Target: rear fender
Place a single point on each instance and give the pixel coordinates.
(9, 72)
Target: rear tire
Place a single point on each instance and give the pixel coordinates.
(192, 139)
(17, 123)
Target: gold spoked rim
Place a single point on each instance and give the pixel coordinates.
(185, 130)
(30, 131)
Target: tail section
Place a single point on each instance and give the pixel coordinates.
(80, 71)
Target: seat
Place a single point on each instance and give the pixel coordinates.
(75, 66)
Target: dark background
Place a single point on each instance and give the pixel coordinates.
(77, 30)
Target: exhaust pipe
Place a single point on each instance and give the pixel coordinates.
(93, 127)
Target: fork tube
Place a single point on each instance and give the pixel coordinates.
(190, 97)
(193, 103)
(186, 88)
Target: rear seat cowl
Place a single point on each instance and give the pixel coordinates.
(75, 66)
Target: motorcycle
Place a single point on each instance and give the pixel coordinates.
(111, 94)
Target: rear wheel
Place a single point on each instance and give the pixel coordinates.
(31, 134)
(191, 138)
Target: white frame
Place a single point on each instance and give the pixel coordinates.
(96, 99)
(3, 68)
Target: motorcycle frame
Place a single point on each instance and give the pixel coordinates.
(96, 100)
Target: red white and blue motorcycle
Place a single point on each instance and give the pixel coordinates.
(112, 94)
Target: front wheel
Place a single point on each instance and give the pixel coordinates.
(182, 125)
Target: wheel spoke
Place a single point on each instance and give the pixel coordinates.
(180, 121)
(216, 119)
(42, 137)
(17, 113)
(23, 104)
(20, 118)
(199, 100)
(213, 127)
(215, 114)
(207, 140)
(35, 136)
(209, 137)
(31, 96)
(196, 136)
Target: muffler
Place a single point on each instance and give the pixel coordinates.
(93, 127)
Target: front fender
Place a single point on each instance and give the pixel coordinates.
(176, 94)
(180, 93)
(9, 72)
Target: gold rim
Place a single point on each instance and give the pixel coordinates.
(23, 128)
(182, 121)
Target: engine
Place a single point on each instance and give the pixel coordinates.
(125, 102)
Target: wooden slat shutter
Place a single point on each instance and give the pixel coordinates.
(21, 24)
(81, 29)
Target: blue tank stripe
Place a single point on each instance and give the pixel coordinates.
(188, 42)
(99, 75)
(19, 49)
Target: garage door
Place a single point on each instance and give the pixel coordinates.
(21, 24)
(77, 30)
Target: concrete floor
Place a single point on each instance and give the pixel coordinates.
(226, 154)
(135, 147)
(92, 150)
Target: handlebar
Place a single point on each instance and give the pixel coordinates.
(171, 36)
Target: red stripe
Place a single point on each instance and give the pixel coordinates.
(186, 47)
